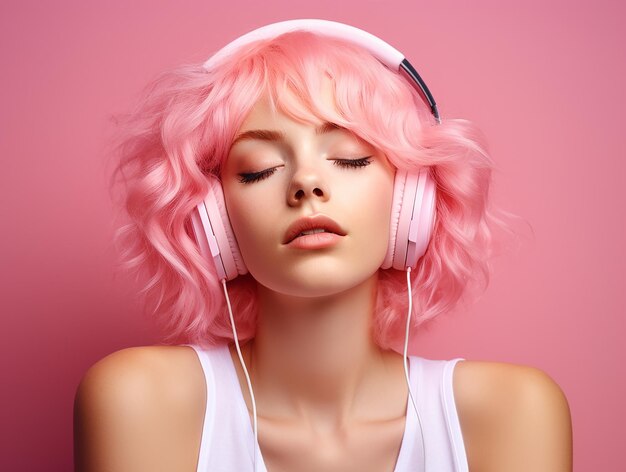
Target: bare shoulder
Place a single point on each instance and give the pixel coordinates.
(513, 418)
(147, 373)
(137, 401)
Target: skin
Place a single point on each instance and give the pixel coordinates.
(318, 378)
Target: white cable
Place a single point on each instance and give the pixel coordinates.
(245, 371)
(406, 369)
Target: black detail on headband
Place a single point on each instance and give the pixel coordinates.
(421, 87)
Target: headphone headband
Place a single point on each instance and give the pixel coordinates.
(384, 52)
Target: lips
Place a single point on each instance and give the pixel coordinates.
(310, 225)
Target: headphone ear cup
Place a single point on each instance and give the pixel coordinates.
(396, 207)
(214, 233)
(412, 219)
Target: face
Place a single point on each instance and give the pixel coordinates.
(309, 203)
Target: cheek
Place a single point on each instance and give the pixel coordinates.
(380, 215)
(373, 216)
(250, 220)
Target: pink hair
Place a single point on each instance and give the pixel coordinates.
(183, 130)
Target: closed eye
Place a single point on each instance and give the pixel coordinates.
(251, 177)
(353, 163)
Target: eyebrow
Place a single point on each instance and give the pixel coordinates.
(274, 136)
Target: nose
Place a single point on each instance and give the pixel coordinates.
(306, 184)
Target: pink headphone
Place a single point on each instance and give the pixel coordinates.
(413, 204)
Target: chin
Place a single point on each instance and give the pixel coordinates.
(317, 283)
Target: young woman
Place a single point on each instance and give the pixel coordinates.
(296, 204)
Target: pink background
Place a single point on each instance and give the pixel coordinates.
(544, 80)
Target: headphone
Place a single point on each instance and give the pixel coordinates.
(413, 202)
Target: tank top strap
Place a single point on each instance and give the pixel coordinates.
(227, 437)
(432, 387)
(452, 417)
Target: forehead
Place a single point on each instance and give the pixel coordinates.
(275, 105)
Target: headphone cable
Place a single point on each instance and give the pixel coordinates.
(245, 371)
(406, 369)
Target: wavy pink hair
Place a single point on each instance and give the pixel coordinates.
(183, 128)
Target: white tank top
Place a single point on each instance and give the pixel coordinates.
(228, 437)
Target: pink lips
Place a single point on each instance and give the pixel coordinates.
(331, 234)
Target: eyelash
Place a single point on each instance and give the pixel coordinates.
(251, 177)
(353, 163)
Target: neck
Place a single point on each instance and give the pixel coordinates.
(315, 359)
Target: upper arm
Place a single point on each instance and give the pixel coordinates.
(129, 415)
(513, 418)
